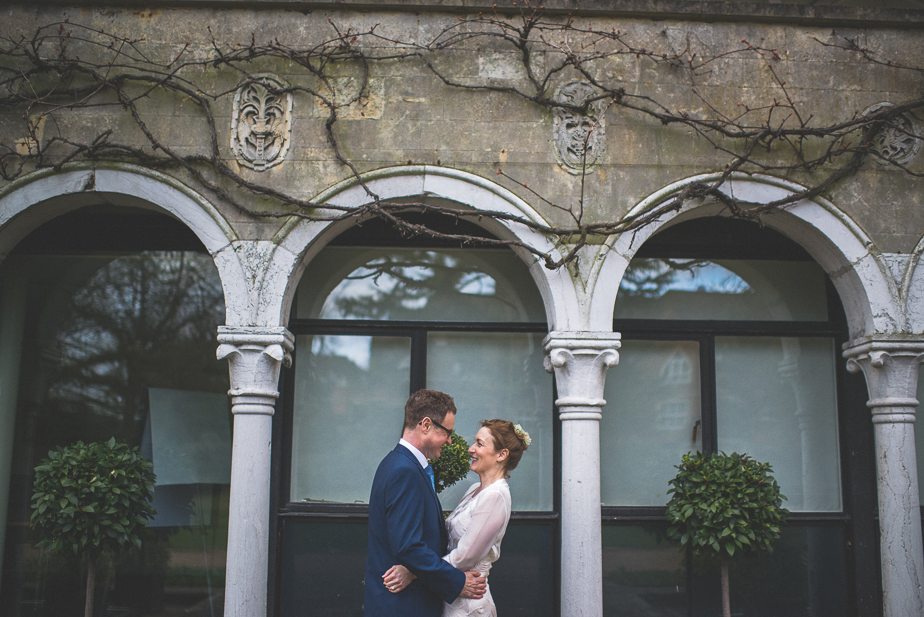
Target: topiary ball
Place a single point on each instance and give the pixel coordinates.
(453, 463)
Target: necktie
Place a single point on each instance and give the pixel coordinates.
(430, 475)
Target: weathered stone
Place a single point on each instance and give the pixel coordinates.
(485, 146)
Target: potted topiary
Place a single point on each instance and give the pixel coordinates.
(724, 505)
(453, 463)
(91, 500)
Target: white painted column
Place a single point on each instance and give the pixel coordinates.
(891, 371)
(580, 361)
(255, 357)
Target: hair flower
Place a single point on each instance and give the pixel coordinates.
(522, 434)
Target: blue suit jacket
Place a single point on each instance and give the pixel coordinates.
(406, 527)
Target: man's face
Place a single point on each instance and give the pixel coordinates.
(437, 435)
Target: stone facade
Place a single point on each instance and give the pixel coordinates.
(407, 133)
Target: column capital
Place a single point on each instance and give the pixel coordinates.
(579, 360)
(256, 335)
(255, 358)
(890, 366)
(895, 344)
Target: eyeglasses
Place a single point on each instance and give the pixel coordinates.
(441, 427)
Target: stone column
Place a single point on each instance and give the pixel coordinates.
(891, 371)
(580, 361)
(255, 357)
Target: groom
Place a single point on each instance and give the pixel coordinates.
(406, 519)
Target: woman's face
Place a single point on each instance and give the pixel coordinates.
(485, 457)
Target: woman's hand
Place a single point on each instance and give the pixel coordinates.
(397, 578)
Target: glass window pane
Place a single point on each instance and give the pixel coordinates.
(348, 413)
(776, 400)
(652, 417)
(644, 573)
(524, 581)
(722, 289)
(322, 563)
(809, 562)
(118, 345)
(409, 284)
(321, 567)
(499, 375)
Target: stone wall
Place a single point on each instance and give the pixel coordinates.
(409, 115)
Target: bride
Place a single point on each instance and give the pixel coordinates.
(477, 525)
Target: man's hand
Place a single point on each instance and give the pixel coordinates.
(475, 585)
(397, 578)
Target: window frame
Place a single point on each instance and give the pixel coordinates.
(284, 511)
(112, 231)
(733, 240)
(417, 334)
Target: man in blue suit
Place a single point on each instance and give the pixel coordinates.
(406, 519)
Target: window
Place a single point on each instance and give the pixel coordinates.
(107, 328)
(375, 318)
(731, 339)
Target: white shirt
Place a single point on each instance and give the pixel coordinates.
(417, 453)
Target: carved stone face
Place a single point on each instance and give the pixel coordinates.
(578, 137)
(579, 130)
(899, 140)
(260, 124)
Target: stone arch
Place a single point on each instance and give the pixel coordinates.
(41, 196)
(300, 240)
(913, 290)
(845, 252)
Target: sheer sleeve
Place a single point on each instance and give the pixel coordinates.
(489, 520)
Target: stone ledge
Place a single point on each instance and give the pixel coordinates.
(858, 13)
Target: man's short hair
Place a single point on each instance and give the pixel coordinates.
(431, 404)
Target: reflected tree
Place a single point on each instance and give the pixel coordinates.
(396, 286)
(125, 328)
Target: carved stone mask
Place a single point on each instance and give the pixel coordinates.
(578, 137)
(261, 122)
(899, 140)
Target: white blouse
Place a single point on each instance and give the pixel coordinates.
(477, 526)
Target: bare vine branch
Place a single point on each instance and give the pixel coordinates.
(63, 68)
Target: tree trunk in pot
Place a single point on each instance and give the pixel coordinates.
(726, 600)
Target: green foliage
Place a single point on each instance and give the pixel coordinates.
(453, 463)
(92, 498)
(722, 505)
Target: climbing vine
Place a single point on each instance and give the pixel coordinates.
(75, 92)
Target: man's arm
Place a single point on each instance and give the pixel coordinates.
(397, 578)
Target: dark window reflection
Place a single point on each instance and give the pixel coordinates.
(119, 345)
(322, 563)
(645, 574)
(805, 576)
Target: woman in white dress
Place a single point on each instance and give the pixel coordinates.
(477, 525)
